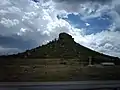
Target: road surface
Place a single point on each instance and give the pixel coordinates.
(72, 85)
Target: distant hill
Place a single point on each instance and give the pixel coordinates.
(64, 47)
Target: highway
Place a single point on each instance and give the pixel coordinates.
(68, 85)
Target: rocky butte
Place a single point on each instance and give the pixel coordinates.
(59, 60)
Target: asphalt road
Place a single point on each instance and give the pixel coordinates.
(72, 85)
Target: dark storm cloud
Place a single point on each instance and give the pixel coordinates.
(16, 42)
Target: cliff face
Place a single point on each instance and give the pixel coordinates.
(66, 37)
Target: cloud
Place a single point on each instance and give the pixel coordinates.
(15, 41)
(77, 2)
(105, 42)
(9, 23)
(26, 24)
(5, 51)
(86, 8)
(87, 24)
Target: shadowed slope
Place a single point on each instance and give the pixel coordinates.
(64, 47)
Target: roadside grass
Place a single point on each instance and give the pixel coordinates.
(55, 70)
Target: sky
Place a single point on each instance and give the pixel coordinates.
(26, 24)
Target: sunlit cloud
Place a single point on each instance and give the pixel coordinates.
(40, 21)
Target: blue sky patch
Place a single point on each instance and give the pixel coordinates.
(92, 25)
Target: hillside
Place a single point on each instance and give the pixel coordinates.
(64, 47)
(58, 60)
